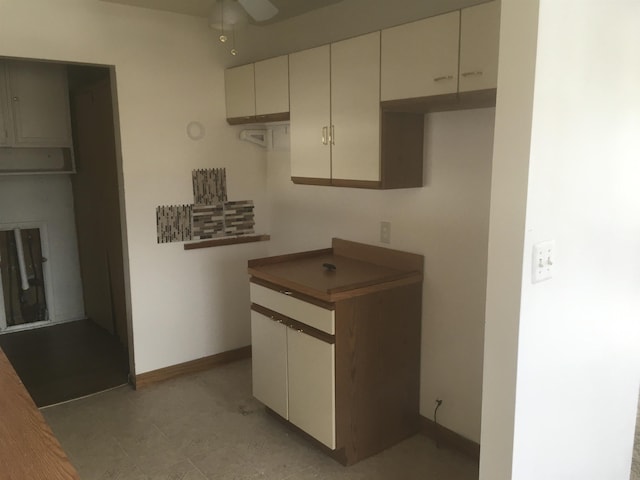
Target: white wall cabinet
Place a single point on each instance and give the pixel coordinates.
(310, 111)
(335, 112)
(36, 108)
(479, 38)
(420, 59)
(258, 92)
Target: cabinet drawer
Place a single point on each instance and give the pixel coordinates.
(291, 307)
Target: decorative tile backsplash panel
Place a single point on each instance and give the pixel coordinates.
(208, 221)
(209, 186)
(174, 223)
(238, 217)
(210, 216)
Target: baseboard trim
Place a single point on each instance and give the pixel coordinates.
(449, 438)
(155, 376)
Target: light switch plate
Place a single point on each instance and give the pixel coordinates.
(543, 261)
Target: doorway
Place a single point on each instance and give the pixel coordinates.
(64, 312)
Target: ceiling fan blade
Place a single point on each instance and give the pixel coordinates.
(260, 10)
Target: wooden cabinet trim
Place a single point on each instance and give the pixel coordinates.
(294, 324)
(311, 181)
(372, 184)
(266, 118)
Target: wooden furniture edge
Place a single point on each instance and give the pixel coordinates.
(326, 182)
(257, 262)
(386, 257)
(156, 376)
(29, 447)
(218, 242)
(265, 118)
(442, 435)
(295, 324)
(442, 103)
(371, 184)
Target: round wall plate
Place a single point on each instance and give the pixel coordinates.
(195, 130)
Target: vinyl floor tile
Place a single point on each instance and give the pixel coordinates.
(207, 426)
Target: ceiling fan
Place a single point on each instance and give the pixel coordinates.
(229, 14)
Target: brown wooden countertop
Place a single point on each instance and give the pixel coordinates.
(360, 269)
(28, 448)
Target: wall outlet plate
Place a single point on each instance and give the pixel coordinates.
(385, 232)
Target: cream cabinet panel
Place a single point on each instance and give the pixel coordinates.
(355, 108)
(272, 85)
(479, 37)
(420, 59)
(269, 363)
(39, 98)
(311, 367)
(310, 107)
(240, 91)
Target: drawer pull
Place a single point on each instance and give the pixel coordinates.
(286, 292)
(443, 77)
(470, 74)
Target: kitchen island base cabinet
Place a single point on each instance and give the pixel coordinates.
(350, 338)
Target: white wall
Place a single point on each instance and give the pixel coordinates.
(48, 200)
(184, 305)
(578, 361)
(446, 221)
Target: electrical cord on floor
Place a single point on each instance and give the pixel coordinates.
(435, 421)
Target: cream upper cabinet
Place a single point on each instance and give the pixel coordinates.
(272, 85)
(310, 111)
(420, 59)
(240, 91)
(38, 98)
(479, 37)
(335, 111)
(355, 108)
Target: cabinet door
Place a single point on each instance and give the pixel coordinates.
(240, 91)
(309, 87)
(420, 59)
(311, 368)
(479, 37)
(4, 109)
(272, 85)
(39, 99)
(269, 362)
(355, 108)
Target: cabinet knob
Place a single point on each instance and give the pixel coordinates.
(16, 99)
(442, 78)
(286, 292)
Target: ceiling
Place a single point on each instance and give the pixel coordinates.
(202, 8)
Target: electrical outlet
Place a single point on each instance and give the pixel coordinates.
(385, 232)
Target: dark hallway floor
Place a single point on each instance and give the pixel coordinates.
(66, 361)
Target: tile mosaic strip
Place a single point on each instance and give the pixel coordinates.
(209, 186)
(207, 221)
(174, 223)
(239, 217)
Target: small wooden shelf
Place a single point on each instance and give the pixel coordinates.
(218, 242)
